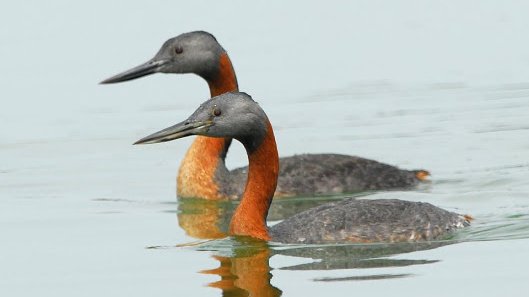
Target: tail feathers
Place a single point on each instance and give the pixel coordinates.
(464, 221)
(422, 175)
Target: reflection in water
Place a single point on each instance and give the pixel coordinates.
(363, 277)
(204, 219)
(244, 268)
(246, 271)
(244, 262)
(333, 257)
(210, 219)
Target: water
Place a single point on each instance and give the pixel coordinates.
(82, 212)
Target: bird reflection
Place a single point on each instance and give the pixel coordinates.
(204, 219)
(334, 257)
(210, 219)
(244, 262)
(246, 271)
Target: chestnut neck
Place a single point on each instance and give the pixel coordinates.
(224, 80)
(249, 218)
(196, 177)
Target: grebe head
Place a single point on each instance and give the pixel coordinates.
(235, 115)
(194, 52)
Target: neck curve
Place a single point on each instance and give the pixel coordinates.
(196, 176)
(249, 218)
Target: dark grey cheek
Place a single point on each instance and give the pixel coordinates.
(169, 68)
(204, 132)
(213, 131)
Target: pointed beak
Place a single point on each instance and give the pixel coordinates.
(182, 129)
(144, 69)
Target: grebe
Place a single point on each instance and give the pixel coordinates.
(236, 115)
(203, 172)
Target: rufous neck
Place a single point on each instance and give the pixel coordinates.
(249, 218)
(196, 177)
(224, 80)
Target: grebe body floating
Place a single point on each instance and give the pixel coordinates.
(203, 172)
(236, 115)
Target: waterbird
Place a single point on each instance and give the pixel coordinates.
(203, 172)
(237, 115)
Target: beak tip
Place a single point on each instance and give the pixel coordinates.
(144, 69)
(107, 81)
(177, 131)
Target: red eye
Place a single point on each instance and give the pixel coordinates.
(178, 50)
(217, 112)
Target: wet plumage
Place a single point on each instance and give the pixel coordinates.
(320, 174)
(352, 220)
